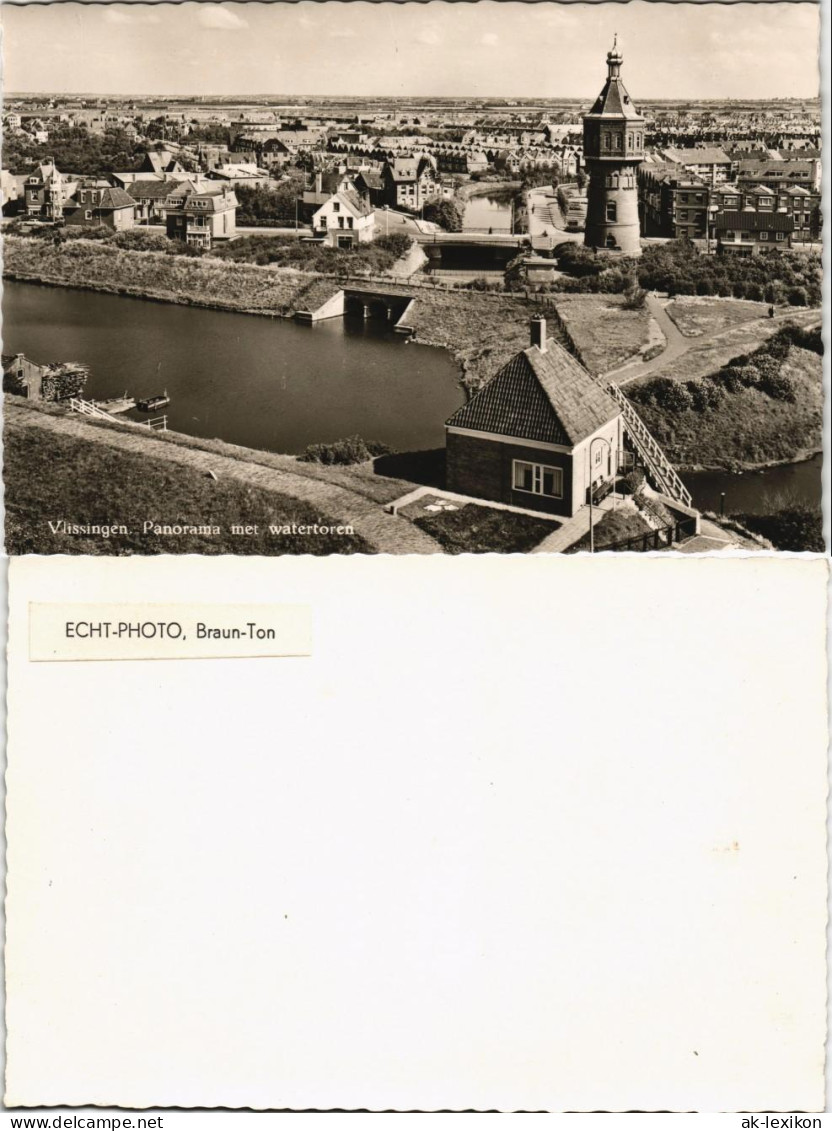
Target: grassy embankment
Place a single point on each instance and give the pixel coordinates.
(49, 476)
(758, 411)
(482, 331)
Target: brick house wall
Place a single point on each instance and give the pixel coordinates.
(483, 468)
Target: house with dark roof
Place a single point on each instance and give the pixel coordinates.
(540, 435)
(750, 232)
(160, 161)
(150, 198)
(96, 204)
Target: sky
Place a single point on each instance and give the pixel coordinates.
(506, 49)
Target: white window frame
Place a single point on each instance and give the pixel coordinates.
(763, 235)
(538, 470)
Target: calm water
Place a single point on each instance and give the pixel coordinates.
(485, 212)
(757, 492)
(260, 382)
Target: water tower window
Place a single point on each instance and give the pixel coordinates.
(612, 212)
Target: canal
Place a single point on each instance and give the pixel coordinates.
(487, 214)
(758, 492)
(260, 382)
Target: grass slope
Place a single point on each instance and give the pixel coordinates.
(697, 317)
(51, 477)
(708, 356)
(748, 428)
(605, 334)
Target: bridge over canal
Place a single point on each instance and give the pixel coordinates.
(379, 302)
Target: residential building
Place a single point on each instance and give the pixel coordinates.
(800, 205)
(202, 217)
(325, 184)
(409, 182)
(674, 205)
(613, 149)
(541, 434)
(96, 204)
(713, 166)
(781, 174)
(247, 174)
(748, 233)
(46, 191)
(344, 220)
(161, 161)
(151, 199)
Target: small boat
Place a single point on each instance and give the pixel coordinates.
(118, 404)
(150, 404)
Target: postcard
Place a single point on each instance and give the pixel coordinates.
(412, 449)
(405, 279)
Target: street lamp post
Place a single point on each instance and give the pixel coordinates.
(595, 440)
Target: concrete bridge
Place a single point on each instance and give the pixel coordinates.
(381, 304)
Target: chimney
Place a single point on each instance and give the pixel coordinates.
(319, 182)
(538, 333)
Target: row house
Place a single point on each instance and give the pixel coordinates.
(748, 233)
(344, 220)
(460, 160)
(202, 217)
(796, 202)
(783, 173)
(46, 191)
(96, 204)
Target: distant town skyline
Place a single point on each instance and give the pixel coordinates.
(466, 50)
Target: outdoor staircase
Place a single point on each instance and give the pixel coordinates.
(665, 477)
(662, 470)
(90, 409)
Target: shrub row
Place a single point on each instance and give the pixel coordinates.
(351, 450)
(761, 370)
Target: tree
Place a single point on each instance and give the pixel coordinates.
(445, 213)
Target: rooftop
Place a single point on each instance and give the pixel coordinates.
(546, 396)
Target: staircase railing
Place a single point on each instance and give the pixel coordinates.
(662, 470)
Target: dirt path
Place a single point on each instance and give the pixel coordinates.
(678, 344)
(386, 533)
